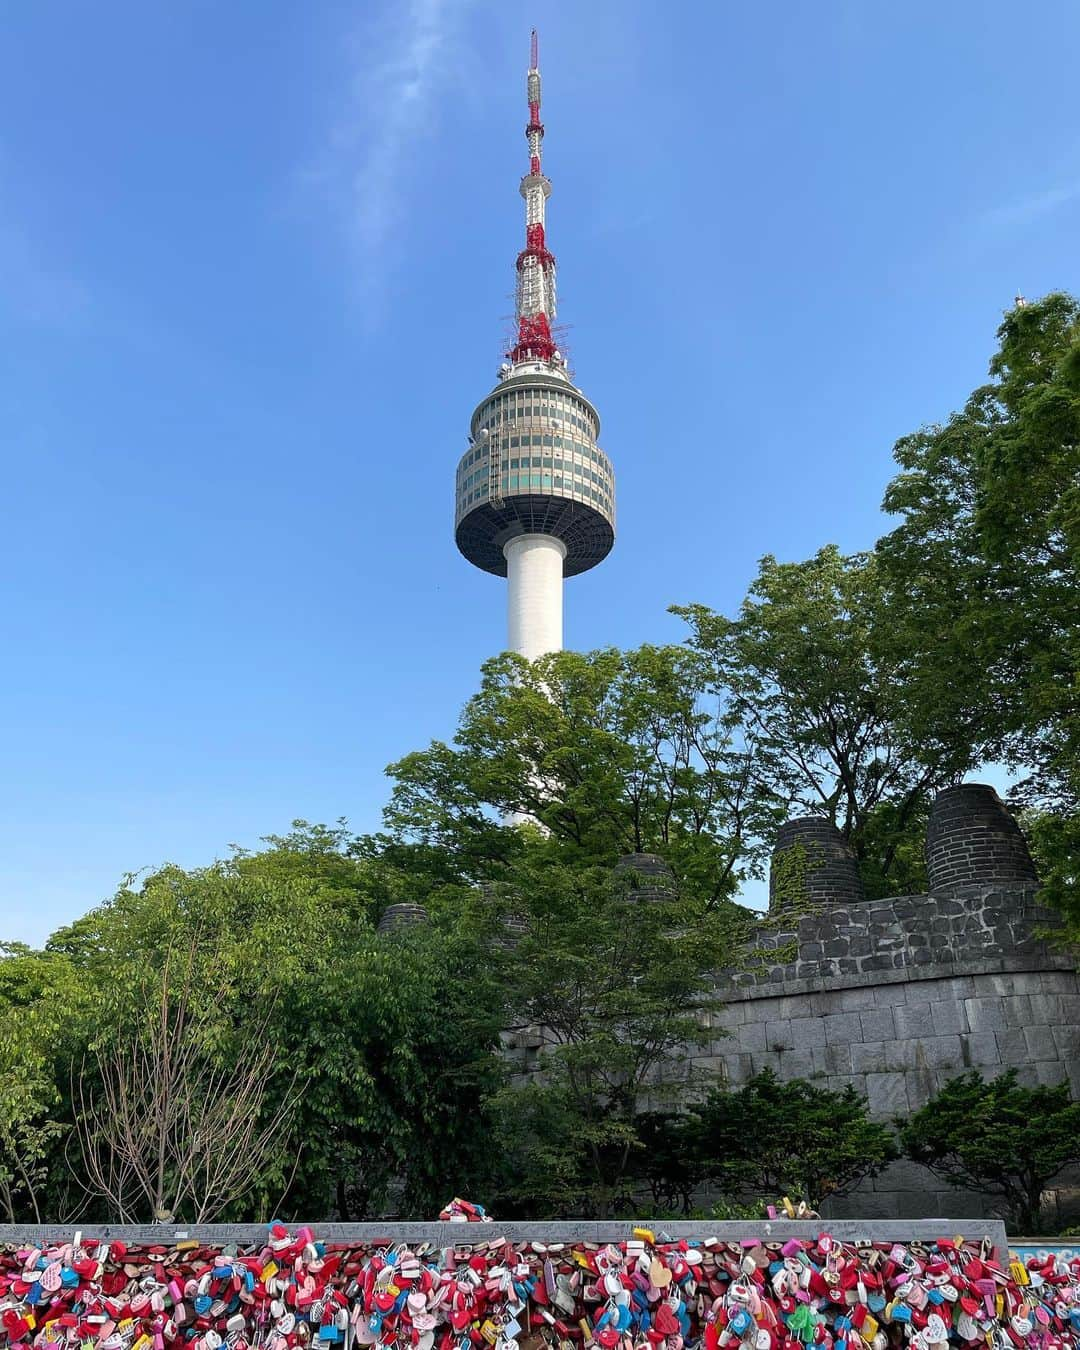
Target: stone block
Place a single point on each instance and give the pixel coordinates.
(922, 1084)
(1040, 1044)
(869, 1057)
(736, 1069)
(1046, 1008)
(842, 1029)
(900, 1056)
(985, 1013)
(1017, 1010)
(807, 1032)
(940, 1052)
(905, 1175)
(778, 1036)
(1067, 1040)
(1011, 1046)
(887, 1095)
(796, 1064)
(980, 1049)
(890, 995)
(750, 1036)
(867, 1204)
(1050, 1074)
(949, 1017)
(832, 1059)
(957, 987)
(854, 1000)
(914, 1020)
(920, 1204)
(877, 1025)
(1060, 982)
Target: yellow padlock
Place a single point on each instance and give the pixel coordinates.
(31, 1320)
(143, 1343)
(869, 1329)
(269, 1271)
(1019, 1272)
(189, 1246)
(490, 1332)
(645, 1235)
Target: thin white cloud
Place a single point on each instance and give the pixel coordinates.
(1026, 210)
(401, 62)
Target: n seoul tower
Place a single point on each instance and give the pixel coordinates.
(535, 495)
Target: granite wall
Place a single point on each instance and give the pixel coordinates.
(897, 996)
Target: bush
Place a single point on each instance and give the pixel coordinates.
(997, 1138)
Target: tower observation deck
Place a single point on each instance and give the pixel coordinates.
(535, 494)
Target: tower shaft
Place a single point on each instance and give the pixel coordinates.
(534, 594)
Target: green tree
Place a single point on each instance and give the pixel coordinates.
(997, 1138)
(984, 572)
(614, 987)
(770, 1138)
(609, 753)
(810, 677)
(667, 1159)
(391, 1044)
(44, 1016)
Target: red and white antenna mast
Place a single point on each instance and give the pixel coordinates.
(535, 263)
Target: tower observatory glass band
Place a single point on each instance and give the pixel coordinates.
(535, 494)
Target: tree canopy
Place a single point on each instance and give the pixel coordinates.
(984, 570)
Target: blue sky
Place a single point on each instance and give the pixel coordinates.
(255, 267)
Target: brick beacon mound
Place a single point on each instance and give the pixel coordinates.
(444, 1287)
(897, 996)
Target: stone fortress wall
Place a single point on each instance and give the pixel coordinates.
(897, 996)
(893, 996)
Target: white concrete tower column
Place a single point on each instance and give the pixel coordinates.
(534, 577)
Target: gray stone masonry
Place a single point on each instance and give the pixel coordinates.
(897, 996)
(444, 1235)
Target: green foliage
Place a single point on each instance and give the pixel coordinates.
(391, 1045)
(997, 1138)
(770, 1138)
(42, 1004)
(789, 876)
(610, 753)
(984, 572)
(810, 677)
(616, 987)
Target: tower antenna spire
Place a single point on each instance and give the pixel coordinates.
(535, 292)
